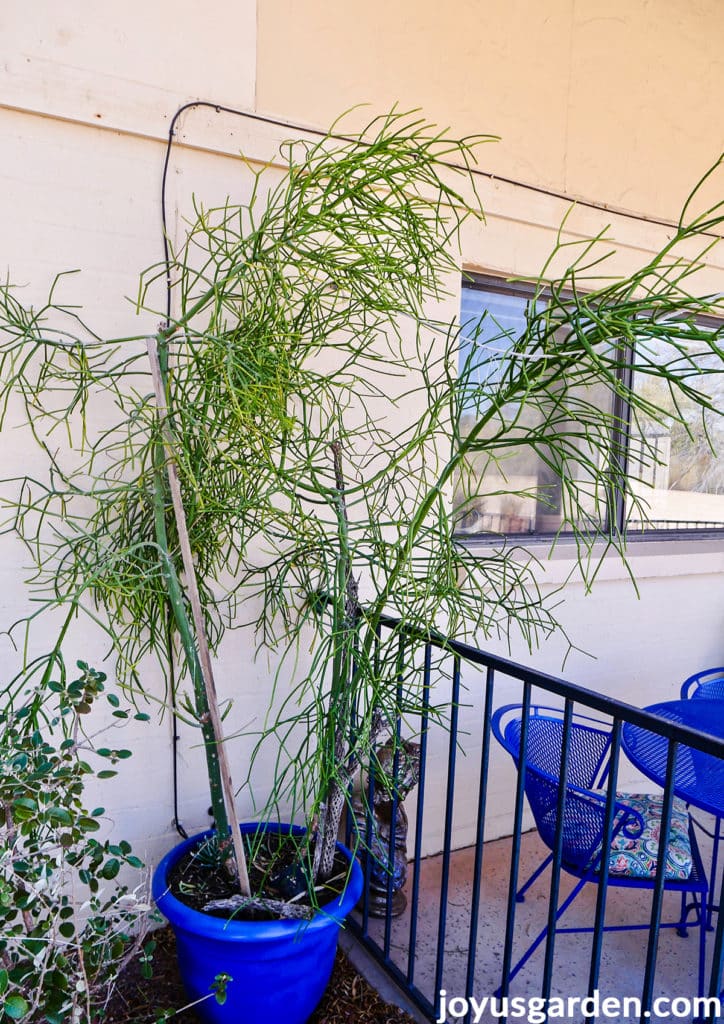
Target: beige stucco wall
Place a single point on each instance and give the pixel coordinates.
(126, 66)
(619, 103)
(614, 100)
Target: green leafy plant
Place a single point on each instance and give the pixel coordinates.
(290, 438)
(217, 993)
(67, 926)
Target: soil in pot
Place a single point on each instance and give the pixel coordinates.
(276, 872)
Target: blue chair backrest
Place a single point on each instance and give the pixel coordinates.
(706, 685)
(584, 812)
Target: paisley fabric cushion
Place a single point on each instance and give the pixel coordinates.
(637, 857)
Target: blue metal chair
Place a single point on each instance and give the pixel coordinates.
(707, 685)
(583, 825)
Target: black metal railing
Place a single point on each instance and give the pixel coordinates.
(468, 795)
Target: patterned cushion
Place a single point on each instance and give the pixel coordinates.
(637, 857)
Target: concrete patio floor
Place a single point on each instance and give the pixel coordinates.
(623, 957)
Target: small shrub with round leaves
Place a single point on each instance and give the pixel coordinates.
(67, 925)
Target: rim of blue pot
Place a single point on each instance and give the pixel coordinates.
(234, 929)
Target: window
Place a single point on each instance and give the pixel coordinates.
(509, 485)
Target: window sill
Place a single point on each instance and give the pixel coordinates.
(648, 555)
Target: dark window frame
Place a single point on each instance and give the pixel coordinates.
(616, 499)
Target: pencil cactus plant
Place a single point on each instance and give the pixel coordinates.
(295, 437)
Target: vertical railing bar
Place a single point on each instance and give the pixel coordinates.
(652, 949)
(447, 840)
(376, 654)
(557, 851)
(479, 838)
(368, 811)
(415, 898)
(368, 846)
(352, 746)
(597, 944)
(717, 962)
(717, 837)
(515, 853)
(395, 798)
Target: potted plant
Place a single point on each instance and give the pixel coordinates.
(288, 441)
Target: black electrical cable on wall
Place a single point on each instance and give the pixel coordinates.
(175, 738)
(292, 126)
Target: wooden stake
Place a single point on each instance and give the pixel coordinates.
(195, 601)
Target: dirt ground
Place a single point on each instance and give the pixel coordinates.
(349, 998)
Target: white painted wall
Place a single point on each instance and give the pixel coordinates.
(86, 100)
(85, 104)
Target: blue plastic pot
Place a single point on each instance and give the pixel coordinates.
(280, 969)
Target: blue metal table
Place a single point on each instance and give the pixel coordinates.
(698, 777)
